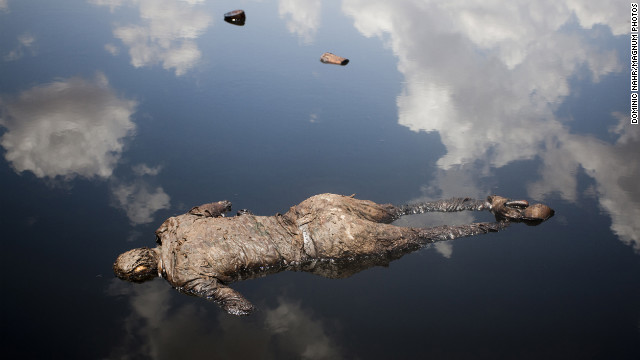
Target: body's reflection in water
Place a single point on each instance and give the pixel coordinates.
(158, 328)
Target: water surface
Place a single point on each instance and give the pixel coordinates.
(116, 114)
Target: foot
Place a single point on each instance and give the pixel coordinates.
(519, 210)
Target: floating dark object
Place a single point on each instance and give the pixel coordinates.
(329, 58)
(235, 17)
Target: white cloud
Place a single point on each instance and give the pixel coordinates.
(76, 127)
(302, 17)
(68, 128)
(112, 4)
(166, 32)
(483, 75)
(615, 169)
(150, 305)
(139, 199)
(144, 169)
(590, 13)
(155, 325)
(26, 42)
(444, 248)
(4, 5)
(488, 76)
(112, 49)
(302, 335)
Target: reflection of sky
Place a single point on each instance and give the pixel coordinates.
(165, 34)
(157, 325)
(492, 93)
(138, 198)
(76, 127)
(25, 44)
(302, 17)
(135, 110)
(491, 96)
(72, 127)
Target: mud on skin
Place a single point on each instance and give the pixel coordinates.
(202, 252)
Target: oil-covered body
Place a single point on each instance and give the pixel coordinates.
(201, 252)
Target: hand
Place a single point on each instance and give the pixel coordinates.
(215, 209)
(237, 306)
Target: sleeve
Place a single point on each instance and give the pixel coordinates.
(212, 289)
(215, 209)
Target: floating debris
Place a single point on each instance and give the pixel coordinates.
(235, 17)
(329, 58)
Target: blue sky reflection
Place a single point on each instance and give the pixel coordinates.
(489, 78)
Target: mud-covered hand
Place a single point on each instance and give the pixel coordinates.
(215, 209)
(232, 301)
(211, 288)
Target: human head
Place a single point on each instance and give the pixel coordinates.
(137, 265)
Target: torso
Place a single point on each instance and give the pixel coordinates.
(223, 248)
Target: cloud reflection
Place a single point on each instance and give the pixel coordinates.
(299, 333)
(77, 128)
(26, 42)
(488, 76)
(68, 128)
(467, 87)
(302, 17)
(615, 169)
(140, 201)
(158, 329)
(165, 35)
(138, 198)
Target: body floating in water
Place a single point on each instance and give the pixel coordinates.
(202, 252)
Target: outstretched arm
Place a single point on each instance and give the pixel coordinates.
(228, 299)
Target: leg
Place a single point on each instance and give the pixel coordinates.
(369, 238)
(386, 243)
(449, 205)
(445, 232)
(501, 207)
